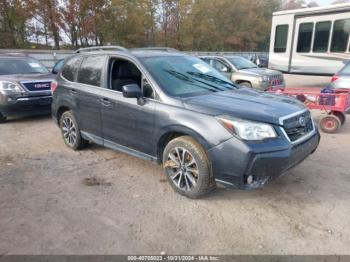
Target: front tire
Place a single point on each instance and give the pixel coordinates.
(246, 84)
(71, 132)
(187, 167)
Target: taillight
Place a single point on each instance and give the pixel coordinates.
(53, 86)
(334, 78)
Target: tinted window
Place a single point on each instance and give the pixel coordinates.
(322, 32)
(340, 36)
(281, 37)
(304, 38)
(70, 68)
(186, 76)
(91, 70)
(11, 66)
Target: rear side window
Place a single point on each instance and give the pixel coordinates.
(70, 68)
(304, 38)
(321, 40)
(281, 37)
(340, 36)
(90, 71)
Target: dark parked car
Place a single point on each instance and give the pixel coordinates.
(176, 110)
(24, 86)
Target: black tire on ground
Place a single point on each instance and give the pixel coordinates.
(2, 118)
(329, 124)
(340, 115)
(192, 165)
(246, 84)
(70, 131)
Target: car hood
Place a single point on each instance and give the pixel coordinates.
(260, 71)
(246, 104)
(28, 77)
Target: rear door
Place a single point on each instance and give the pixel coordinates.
(87, 96)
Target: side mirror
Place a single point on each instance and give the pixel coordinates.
(132, 91)
(53, 71)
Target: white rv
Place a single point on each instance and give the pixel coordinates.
(310, 40)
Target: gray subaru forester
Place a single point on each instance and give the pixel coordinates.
(179, 112)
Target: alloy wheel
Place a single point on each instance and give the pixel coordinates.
(69, 131)
(183, 169)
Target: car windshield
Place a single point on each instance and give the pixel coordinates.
(185, 76)
(241, 63)
(12, 66)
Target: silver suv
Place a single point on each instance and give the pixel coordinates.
(245, 73)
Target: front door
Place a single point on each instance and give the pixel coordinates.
(127, 123)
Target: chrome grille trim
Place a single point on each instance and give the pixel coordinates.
(303, 138)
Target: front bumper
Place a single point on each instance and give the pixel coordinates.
(25, 105)
(233, 160)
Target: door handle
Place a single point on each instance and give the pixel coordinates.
(73, 91)
(105, 101)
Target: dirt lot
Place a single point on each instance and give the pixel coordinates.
(46, 206)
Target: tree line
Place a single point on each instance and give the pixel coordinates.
(201, 25)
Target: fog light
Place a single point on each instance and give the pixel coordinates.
(250, 180)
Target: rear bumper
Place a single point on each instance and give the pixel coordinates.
(28, 105)
(233, 161)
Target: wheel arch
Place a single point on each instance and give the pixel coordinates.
(176, 131)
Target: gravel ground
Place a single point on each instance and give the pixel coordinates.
(48, 204)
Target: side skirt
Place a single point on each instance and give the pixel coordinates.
(117, 147)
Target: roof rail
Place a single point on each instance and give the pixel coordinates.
(101, 48)
(166, 49)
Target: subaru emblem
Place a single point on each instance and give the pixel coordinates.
(302, 121)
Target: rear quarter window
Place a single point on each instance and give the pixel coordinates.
(70, 68)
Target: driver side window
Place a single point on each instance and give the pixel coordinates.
(124, 72)
(220, 66)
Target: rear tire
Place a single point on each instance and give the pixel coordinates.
(2, 118)
(246, 84)
(330, 124)
(71, 132)
(340, 115)
(187, 167)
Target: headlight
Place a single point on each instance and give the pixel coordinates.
(247, 130)
(9, 86)
(264, 78)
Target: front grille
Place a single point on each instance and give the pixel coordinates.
(276, 80)
(37, 86)
(298, 126)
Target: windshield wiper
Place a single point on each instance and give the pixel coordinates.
(190, 79)
(210, 78)
(179, 75)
